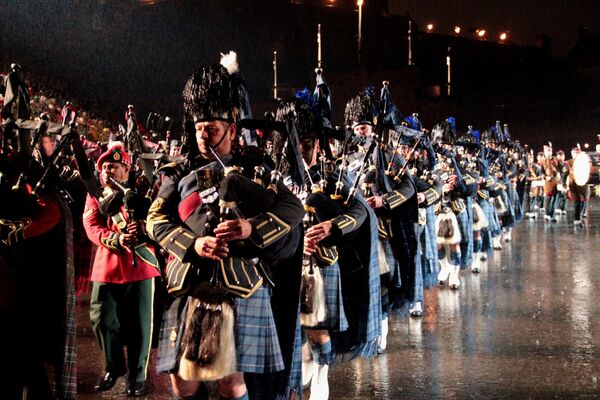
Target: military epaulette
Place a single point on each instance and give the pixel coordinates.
(431, 196)
(111, 242)
(393, 199)
(175, 168)
(345, 223)
(326, 255)
(267, 229)
(178, 242)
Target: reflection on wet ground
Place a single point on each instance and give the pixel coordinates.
(527, 326)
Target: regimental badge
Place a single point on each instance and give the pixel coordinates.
(209, 195)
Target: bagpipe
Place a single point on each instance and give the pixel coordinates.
(50, 173)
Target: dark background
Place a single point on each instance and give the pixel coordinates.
(525, 20)
(108, 53)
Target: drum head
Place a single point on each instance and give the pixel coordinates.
(582, 167)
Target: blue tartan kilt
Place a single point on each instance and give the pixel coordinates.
(419, 283)
(334, 303)
(429, 250)
(465, 224)
(517, 206)
(392, 278)
(492, 216)
(256, 341)
(508, 218)
(362, 291)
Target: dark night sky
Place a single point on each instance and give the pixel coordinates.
(110, 53)
(525, 19)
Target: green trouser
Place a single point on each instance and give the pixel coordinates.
(121, 315)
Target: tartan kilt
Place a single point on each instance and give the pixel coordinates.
(517, 205)
(465, 223)
(508, 218)
(256, 342)
(391, 278)
(420, 258)
(492, 217)
(486, 233)
(429, 250)
(335, 319)
(363, 299)
(419, 282)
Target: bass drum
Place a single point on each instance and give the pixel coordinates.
(585, 168)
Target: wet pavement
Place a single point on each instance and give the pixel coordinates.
(526, 327)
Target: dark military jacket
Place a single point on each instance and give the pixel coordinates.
(187, 207)
(346, 216)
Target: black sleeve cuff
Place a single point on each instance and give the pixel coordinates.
(179, 242)
(267, 228)
(344, 223)
(393, 199)
(431, 196)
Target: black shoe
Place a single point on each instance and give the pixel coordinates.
(136, 389)
(106, 381)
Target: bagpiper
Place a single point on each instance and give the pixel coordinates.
(337, 298)
(471, 151)
(235, 253)
(425, 173)
(390, 192)
(122, 299)
(576, 192)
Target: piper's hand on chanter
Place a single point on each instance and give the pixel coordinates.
(310, 246)
(375, 201)
(318, 232)
(211, 247)
(135, 228)
(235, 229)
(447, 188)
(127, 239)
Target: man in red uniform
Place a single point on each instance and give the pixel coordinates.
(122, 289)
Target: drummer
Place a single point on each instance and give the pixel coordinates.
(576, 193)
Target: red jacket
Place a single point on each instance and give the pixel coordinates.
(113, 264)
